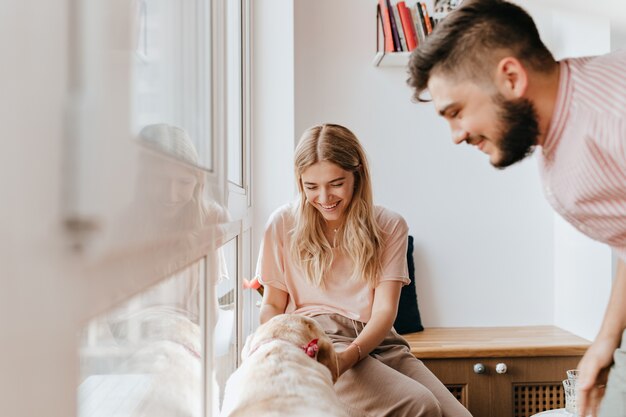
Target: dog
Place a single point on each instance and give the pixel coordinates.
(169, 356)
(288, 369)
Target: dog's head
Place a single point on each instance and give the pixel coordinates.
(298, 330)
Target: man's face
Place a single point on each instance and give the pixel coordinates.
(506, 130)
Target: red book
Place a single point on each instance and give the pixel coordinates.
(407, 25)
(384, 13)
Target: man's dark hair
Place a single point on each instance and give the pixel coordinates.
(471, 40)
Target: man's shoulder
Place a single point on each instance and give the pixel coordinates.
(601, 67)
(599, 85)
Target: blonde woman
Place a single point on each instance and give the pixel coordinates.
(335, 256)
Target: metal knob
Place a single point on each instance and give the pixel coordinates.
(501, 368)
(479, 368)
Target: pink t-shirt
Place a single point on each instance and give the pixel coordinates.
(342, 295)
(583, 163)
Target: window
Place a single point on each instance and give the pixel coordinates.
(170, 79)
(234, 72)
(146, 356)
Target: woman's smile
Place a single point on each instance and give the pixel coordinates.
(329, 207)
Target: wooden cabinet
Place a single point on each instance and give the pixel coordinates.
(534, 360)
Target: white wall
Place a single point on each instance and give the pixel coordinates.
(582, 280)
(273, 114)
(273, 109)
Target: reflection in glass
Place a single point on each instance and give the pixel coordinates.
(170, 67)
(145, 358)
(234, 93)
(225, 334)
(170, 203)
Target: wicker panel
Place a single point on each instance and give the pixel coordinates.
(529, 399)
(459, 392)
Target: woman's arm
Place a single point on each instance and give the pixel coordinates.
(384, 311)
(274, 303)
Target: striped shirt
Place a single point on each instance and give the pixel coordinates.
(583, 163)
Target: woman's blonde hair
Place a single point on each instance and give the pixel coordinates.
(360, 235)
(174, 141)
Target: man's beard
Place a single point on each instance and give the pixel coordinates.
(520, 130)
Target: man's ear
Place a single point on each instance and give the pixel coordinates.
(511, 78)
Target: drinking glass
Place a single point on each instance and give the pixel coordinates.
(572, 375)
(569, 387)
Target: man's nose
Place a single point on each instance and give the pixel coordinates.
(459, 135)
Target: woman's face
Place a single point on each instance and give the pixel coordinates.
(170, 188)
(329, 189)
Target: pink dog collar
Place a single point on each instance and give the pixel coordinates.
(311, 349)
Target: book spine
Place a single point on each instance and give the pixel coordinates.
(407, 25)
(401, 36)
(420, 13)
(394, 28)
(429, 25)
(419, 29)
(384, 14)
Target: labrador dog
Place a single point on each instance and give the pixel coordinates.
(288, 370)
(169, 357)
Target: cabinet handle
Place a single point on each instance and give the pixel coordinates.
(479, 368)
(501, 368)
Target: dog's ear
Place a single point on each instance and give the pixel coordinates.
(327, 356)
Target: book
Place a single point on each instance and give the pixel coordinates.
(407, 25)
(422, 20)
(429, 25)
(396, 15)
(394, 28)
(419, 27)
(384, 15)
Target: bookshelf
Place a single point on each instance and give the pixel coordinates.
(391, 59)
(386, 58)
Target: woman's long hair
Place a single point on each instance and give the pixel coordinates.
(360, 235)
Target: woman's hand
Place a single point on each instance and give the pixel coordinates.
(594, 370)
(347, 359)
(384, 310)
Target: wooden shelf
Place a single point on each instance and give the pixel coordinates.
(391, 59)
(475, 342)
(532, 361)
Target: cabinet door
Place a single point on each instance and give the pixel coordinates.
(470, 388)
(529, 386)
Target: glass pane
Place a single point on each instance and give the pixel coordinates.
(225, 334)
(171, 78)
(251, 297)
(145, 358)
(234, 93)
